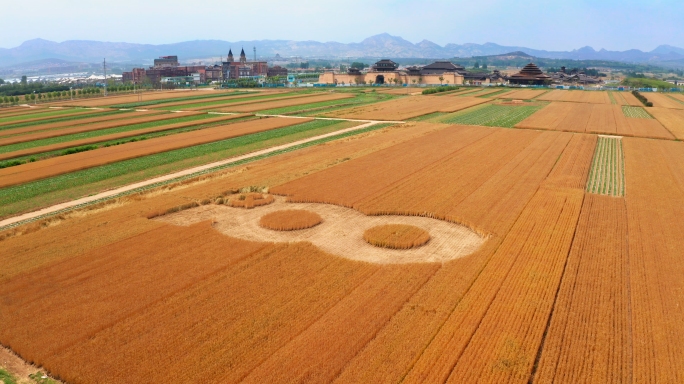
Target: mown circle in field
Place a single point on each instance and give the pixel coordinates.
(396, 236)
(249, 200)
(290, 220)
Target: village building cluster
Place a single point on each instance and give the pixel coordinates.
(447, 73)
(167, 70)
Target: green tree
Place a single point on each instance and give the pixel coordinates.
(2, 81)
(358, 65)
(24, 81)
(441, 79)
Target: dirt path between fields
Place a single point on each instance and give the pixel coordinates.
(114, 192)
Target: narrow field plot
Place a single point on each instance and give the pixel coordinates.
(407, 107)
(501, 93)
(48, 138)
(588, 339)
(401, 90)
(21, 198)
(64, 164)
(494, 115)
(17, 111)
(46, 115)
(287, 103)
(591, 97)
(70, 130)
(662, 100)
(607, 176)
(630, 99)
(654, 172)
(104, 117)
(593, 118)
(677, 96)
(525, 94)
(133, 98)
(102, 136)
(635, 112)
(672, 119)
(239, 99)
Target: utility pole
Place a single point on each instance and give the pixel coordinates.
(104, 64)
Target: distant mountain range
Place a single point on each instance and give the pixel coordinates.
(383, 45)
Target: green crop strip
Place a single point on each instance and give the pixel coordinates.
(200, 173)
(101, 132)
(75, 119)
(222, 103)
(635, 112)
(675, 99)
(493, 115)
(494, 93)
(315, 109)
(429, 117)
(38, 115)
(607, 174)
(64, 187)
(109, 143)
(612, 98)
(57, 119)
(177, 99)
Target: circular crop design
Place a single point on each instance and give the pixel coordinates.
(290, 220)
(249, 200)
(396, 236)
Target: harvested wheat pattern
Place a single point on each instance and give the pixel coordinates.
(340, 233)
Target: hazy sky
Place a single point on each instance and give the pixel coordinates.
(551, 25)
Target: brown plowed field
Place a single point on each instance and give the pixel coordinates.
(678, 96)
(84, 112)
(41, 127)
(662, 101)
(566, 286)
(672, 119)
(64, 164)
(113, 136)
(189, 103)
(526, 94)
(92, 127)
(272, 104)
(408, 107)
(591, 97)
(593, 118)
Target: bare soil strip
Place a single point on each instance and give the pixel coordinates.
(114, 136)
(272, 104)
(120, 118)
(29, 120)
(65, 164)
(92, 127)
(114, 192)
(188, 104)
(340, 233)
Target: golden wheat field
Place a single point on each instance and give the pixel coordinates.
(314, 248)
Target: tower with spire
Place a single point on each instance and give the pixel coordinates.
(230, 56)
(243, 57)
